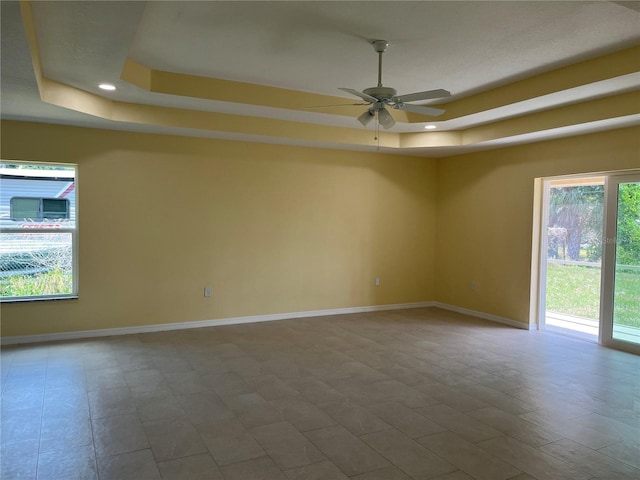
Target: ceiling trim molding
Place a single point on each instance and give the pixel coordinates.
(206, 88)
(601, 69)
(607, 67)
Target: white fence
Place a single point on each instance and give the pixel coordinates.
(589, 264)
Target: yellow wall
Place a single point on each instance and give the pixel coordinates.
(275, 229)
(485, 215)
(271, 229)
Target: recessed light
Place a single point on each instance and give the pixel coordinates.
(430, 127)
(107, 86)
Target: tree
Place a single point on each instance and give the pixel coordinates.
(628, 231)
(579, 210)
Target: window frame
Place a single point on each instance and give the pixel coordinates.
(73, 231)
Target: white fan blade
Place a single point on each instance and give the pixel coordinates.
(412, 97)
(363, 96)
(434, 112)
(338, 105)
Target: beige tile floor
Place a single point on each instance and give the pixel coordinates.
(412, 394)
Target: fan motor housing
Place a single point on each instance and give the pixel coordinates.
(381, 93)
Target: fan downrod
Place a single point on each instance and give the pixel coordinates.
(380, 92)
(380, 46)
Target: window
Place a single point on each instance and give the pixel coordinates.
(38, 240)
(29, 208)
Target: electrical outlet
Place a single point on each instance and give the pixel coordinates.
(377, 282)
(474, 286)
(207, 292)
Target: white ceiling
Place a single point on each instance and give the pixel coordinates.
(463, 46)
(319, 46)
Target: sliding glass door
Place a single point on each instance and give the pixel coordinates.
(620, 307)
(589, 258)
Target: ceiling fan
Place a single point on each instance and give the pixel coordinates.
(379, 97)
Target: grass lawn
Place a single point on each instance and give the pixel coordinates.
(51, 283)
(575, 290)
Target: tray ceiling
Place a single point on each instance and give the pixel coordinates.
(518, 71)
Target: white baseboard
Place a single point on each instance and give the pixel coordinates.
(160, 327)
(485, 316)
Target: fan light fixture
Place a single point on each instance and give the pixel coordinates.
(366, 118)
(385, 119)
